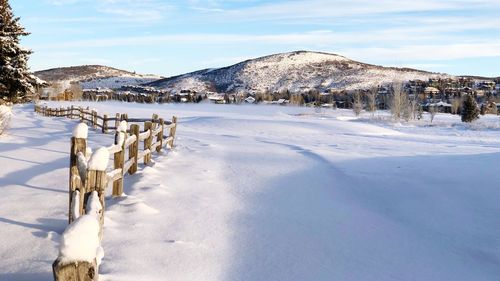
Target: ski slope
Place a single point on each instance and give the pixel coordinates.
(267, 193)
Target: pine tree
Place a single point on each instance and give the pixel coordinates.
(470, 110)
(15, 77)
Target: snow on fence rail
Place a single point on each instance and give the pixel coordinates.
(79, 253)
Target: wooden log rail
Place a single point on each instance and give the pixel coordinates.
(126, 153)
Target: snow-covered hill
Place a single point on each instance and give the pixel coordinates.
(93, 76)
(295, 71)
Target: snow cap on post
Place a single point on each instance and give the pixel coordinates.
(99, 160)
(93, 205)
(81, 131)
(80, 241)
(122, 127)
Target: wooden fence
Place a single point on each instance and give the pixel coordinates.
(126, 153)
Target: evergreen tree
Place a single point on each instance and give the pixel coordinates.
(470, 110)
(15, 77)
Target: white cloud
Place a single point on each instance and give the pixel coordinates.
(449, 51)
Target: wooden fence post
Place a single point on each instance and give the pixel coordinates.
(119, 161)
(77, 145)
(154, 119)
(81, 271)
(117, 120)
(97, 181)
(71, 112)
(134, 148)
(172, 131)
(148, 126)
(105, 124)
(159, 137)
(94, 119)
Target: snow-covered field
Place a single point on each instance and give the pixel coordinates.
(268, 193)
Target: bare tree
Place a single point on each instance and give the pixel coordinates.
(54, 90)
(455, 105)
(76, 90)
(399, 102)
(371, 100)
(432, 111)
(357, 104)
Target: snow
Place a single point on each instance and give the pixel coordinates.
(267, 193)
(123, 126)
(75, 204)
(5, 115)
(82, 165)
(80, 131)
(99, 160)
(121, 133)
(80, 240)
(94, 207)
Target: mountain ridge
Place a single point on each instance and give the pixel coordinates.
(93, 76)
(295, 71)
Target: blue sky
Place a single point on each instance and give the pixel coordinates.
(174, 37)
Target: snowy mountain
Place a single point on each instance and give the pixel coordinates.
(93, 76)
(295, 71)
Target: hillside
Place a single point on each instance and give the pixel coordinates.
(294, 71)
(92, 76)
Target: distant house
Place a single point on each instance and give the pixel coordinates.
(431, 91)
(216, 98)
(250, 100)
(280, 102)
(440, 106)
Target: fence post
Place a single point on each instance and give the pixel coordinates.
(97, 181)
(83, 270)
(104, 124)
(78, 144)
(148, 126)
(81, 114)
(159, 137)
(94, 119)
(117, 120)
(134, 148)
(71, 112)
(172, 131)
(154, 119)
(119, 160)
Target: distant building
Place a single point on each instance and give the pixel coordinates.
(250, 100)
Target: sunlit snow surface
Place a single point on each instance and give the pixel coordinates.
(267, 193)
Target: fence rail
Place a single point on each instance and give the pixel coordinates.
(85, 179)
